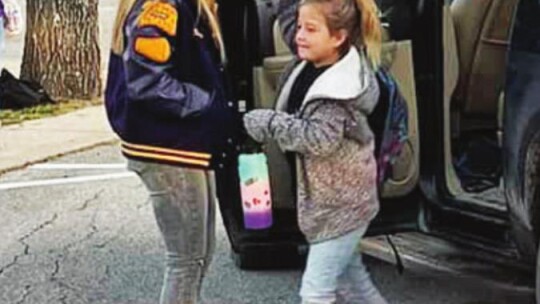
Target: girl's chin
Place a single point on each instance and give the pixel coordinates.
(302, 55)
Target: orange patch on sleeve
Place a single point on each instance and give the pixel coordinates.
(155, 49)
(161, 15)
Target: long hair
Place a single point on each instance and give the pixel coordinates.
(210, 10)
(124, 7)
(360, 19)
(371, 30)
(206, 7)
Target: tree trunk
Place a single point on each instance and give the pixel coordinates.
(62, 48)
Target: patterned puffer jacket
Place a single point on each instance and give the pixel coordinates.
(336, 167)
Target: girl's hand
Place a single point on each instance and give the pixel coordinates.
(257, 123)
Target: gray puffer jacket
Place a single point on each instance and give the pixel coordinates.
(336, 168)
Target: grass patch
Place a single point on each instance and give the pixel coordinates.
(9, 117)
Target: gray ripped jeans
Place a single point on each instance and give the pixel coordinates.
(184, 205)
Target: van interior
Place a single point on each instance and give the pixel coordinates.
(252, 26)
(476, 43)
(475, 37)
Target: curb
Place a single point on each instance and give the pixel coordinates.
(19, 166)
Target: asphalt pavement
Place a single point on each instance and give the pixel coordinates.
(80, 229)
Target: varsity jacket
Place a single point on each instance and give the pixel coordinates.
(166, 95)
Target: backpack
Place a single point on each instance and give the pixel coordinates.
(18, 94)
(390, 123)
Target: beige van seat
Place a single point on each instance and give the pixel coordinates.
(266, 77)
(482, 32)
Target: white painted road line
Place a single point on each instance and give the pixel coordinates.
(79, 166)
(65, 181)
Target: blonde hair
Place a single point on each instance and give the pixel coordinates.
(371, 30)
(208, 7)
(124, 7)
(360, 19)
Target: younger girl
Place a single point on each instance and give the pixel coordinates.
(320, 116)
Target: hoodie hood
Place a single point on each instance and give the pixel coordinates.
(335, 83)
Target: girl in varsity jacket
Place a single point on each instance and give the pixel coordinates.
(166, 99)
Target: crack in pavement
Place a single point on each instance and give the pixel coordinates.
(57, 263)
(27, 292)
(76, 292)
(111, 239)
(47, 223)
(26, 251)
(15, 260)
(38, 228)
(105, 276)
(63, 285)
(63, 299)
(122, 227)
(88, 201)
(66, 291)
(93, 228)
(56, 268)
(26, 246)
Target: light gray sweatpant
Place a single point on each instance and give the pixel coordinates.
(184, 205)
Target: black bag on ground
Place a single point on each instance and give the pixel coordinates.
(18, 94)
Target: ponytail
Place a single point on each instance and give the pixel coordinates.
(209, 7)
(371, 30)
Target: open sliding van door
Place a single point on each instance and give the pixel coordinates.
(258, 65)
